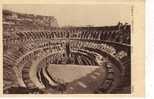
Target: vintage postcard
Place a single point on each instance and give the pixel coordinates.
(73, 48)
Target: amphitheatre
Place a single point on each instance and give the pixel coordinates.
(39, 57)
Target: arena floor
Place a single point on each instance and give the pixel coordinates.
(69, 73)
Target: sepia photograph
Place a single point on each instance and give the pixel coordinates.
(67, 48)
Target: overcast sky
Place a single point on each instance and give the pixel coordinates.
(77, 15)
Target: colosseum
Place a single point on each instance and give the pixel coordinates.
(40, 57)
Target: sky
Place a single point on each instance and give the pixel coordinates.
(78, 14)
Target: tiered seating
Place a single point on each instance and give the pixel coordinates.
(118, 34)
(124, 63)
(9, 78)
(93, 46)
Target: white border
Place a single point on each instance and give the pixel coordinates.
(149, 49)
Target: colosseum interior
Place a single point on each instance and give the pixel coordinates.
(39, 57)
